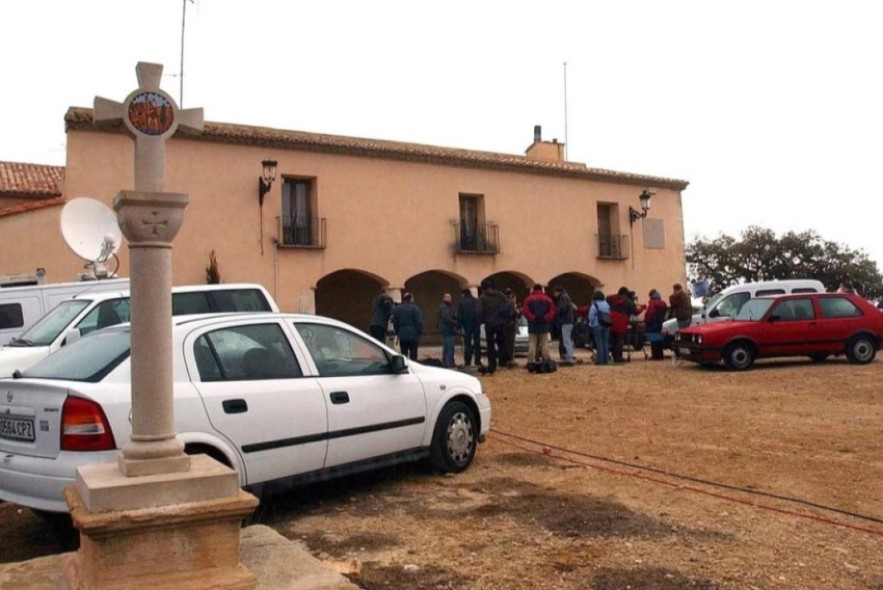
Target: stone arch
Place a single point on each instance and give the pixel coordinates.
(347, 294)
(519, 282)
(427, 289)
(578, 285)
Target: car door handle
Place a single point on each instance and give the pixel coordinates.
(234, 406)
(340, 397)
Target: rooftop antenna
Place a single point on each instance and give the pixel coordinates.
(565, 111)
(183, 22)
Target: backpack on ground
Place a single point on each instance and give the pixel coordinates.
(544, 366)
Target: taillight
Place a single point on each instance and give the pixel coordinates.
(84, 427)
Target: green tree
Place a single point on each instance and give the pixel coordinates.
(758, 255)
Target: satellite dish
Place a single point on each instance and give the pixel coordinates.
(91, 230)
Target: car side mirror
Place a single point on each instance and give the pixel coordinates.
(71, 336)
(398, 365)
(775, 318)
(714, 313)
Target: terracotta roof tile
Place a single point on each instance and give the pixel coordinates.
(30, 180)
(32, 206)
(80, 118)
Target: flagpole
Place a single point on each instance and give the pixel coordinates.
(565, 111)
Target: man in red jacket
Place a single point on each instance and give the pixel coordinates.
(653, 318)
(539, 310)
(621, 310)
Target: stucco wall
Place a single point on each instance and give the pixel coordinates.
(389, 219)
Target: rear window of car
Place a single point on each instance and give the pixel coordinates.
(838, 307)
(219, 301)
(89, 359)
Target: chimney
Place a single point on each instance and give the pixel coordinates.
(544, 151)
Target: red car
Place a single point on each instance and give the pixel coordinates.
(816, 325)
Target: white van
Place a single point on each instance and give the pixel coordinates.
(728, 302)
(21, 306)
(77, 316)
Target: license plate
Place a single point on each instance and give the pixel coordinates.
(684, 351)
(17, 429)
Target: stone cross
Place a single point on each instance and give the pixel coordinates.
(149, 219)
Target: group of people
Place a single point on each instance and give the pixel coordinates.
(496, 310)
(608, 319)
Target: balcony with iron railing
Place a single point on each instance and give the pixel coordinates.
(482, 238)
(300, 232)
(613, 247)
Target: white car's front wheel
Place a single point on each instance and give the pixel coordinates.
(455, 438)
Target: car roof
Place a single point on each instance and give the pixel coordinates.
(185, 324)
(105, 295)
(804, 295)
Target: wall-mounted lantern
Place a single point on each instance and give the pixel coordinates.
(266, 179)
(634, 214)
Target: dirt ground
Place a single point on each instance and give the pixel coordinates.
(645, 475)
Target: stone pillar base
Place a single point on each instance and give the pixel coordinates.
(186, 544)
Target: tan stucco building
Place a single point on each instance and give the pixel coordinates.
(346, 217)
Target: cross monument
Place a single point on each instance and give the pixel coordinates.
(157, 518)
(149, 219)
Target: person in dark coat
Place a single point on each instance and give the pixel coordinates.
(408, 321)
(621, 310)
(446, 322)
(381, 312)
(653, 318)
(539, 311)
(467, 323)
(493, 311)
(507, 356)
(566, 316)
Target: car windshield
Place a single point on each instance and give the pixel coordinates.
(45, 331)
(753, 310)
(709, 305)
(88, 359)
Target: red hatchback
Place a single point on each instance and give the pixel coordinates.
(816, 325)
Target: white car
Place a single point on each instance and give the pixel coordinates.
(92, 310)
(281, 398)
(522, 338)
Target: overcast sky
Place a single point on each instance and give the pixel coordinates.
(770, 109)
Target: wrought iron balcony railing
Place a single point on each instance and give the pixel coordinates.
(483, 238)
(299, 232)
(613, 247)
